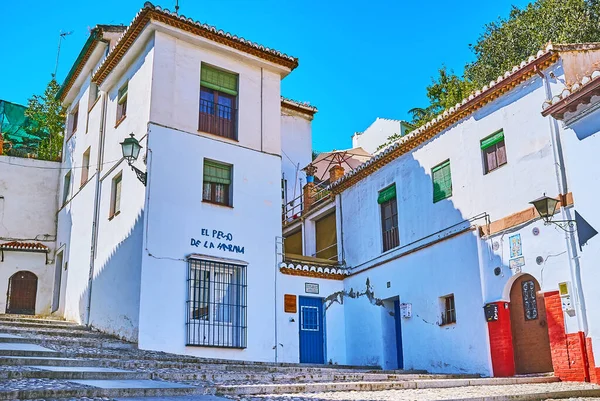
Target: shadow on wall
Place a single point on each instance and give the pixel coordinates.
(433, 260)
(116, 286)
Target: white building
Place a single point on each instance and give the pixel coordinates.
(577, 106)
(379, 133)
(28, 198)
(439, 226)
(185, 263)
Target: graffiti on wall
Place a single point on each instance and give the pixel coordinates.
(216, 239)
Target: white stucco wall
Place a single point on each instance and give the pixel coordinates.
(117, 263)
(176, 93)
(28, 197)
(296, 149)
(581, 141)
(377, 134)
(289, 331)
(171, 222)
(452, 266)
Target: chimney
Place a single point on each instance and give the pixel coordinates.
(335, 173)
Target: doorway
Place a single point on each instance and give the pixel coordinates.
(312, 338)
(22, 291)
(57, 282)
(398, 321)
(531, 343)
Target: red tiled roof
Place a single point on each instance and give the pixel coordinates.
(25, 246)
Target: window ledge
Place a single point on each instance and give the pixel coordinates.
(120, 120)
(216, 203)
(218, 136)
(496, 169)
(115, 214)
(446, 324)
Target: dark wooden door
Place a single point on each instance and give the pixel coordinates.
(22, 290)
(531, 343)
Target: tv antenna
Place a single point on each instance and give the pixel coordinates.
(62, 35)
(176, 6)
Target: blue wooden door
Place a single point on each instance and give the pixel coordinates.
(311, 330)
(398, 319)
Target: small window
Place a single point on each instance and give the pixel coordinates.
(217, 294)
(529, 300)
(122, 103)
(218, 98)
(389, 218)
(66, 187)
(74, 119)
(494, 152)
(85, 166)
(217, 183)
(448, 310)
(442, 181)
(115, 196)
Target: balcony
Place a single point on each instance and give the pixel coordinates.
(217, 119)
(313, 196)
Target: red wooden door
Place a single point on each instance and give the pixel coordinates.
(22, 290)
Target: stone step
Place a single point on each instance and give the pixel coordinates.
(47, 361)
(26, 349)
(249, 378)
(59, 332)
(262, 389)
(204, 397)
(97, 388)
(83, 342)
(30, 318)
(41, 324)
(74, 373)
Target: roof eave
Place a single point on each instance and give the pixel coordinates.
(84, 55)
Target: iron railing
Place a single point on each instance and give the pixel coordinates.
(391, 239)
(216, 304)
(332, 248)
(217, 119)
(294, 209)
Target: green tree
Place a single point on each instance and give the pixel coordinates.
(508, 41)
(390, 139)
(47, 115)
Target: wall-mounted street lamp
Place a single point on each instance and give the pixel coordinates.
(546, 207)
(131, 150)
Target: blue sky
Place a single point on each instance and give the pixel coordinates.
(358, 59)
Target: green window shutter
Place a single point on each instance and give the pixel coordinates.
(387, 194)
(217, 172)
(122, 94)
(492, 140)
(219, 80)
(442, 182)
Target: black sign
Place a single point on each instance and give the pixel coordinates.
(491, 312)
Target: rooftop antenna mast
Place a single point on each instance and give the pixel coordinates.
(176, 6)
(62, 35)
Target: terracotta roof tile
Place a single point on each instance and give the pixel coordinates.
(25, 246)
(300, 106)
(466, 107)
(151, 12)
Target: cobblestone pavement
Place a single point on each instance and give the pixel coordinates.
(425, 394)
(38, 384)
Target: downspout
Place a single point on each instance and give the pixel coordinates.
(574, 266)
(96, 214)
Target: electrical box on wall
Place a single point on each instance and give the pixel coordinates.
(406, 310)
(564, 289)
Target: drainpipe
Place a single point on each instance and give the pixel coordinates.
(96, 214)
(574, 266)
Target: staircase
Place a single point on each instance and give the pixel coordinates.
(47, 359)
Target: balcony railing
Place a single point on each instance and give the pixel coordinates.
(294, 209)
(391, 239)
(217, 119)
